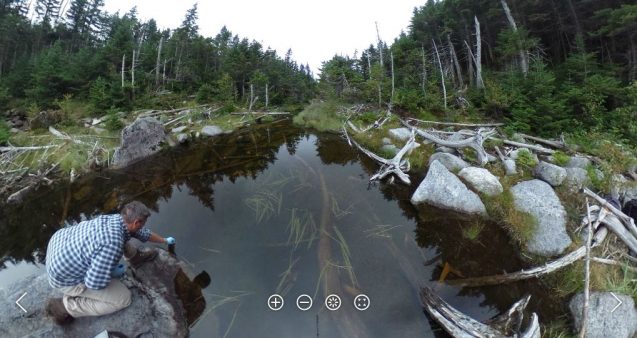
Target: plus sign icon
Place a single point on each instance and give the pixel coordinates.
(275, 302)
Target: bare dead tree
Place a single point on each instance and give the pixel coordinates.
(478, 58)
(523, 54)
(157, 62)
(442, 74)
(424, 72)
(123, 65)
(454, 59)
(380, 61)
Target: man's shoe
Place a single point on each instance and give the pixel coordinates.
(56, 310)
(141, 257)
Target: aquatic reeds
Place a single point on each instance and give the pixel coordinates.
(338, 211)
(287, 278)
(265, 204)
(381, 230)
(346, 255)
(301, 228)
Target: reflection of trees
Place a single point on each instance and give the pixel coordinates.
(332, 149)
(25, 229)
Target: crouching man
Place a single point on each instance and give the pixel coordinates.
(82, 262)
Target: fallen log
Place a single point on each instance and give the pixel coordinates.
(458, 124)
(474, 141)
(11, 148)
(554, 144)
(628, 221)
(509, 164)
(535, 272)
(459, 325)
(395, 165)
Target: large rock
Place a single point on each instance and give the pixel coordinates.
(605, 318)
(156, 309)
(538, 199)
(443, 189)
(451, 162)
(139, 140)
(482, 180)
(576, 178)
(211, 131)
(578, 162)
(401, 134)
(550, 173)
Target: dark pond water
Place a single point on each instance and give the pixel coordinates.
(275, 209)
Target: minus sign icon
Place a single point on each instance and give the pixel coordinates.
(304, 302)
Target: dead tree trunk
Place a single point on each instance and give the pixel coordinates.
(123, 65)
(267, 99)
(132, 71)
(478, 59)
(163, 76)
(161, 44)
(380, 61)
(391, 100)
(523, 54)
(442, 74)
(424, 72)
(454, 59)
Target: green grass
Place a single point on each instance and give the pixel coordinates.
(473, 231)
(557, 329)
(4, 131)
(520, 225)
(525, 159)
(561, 158)
(321, 116)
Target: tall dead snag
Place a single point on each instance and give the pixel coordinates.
(456, 64)
(391, 99)
(459, 325)
(380, 61)
(157, 62)
(123, 65)
(424, 72)
(478, 59)
(523, 54)
(442, 74)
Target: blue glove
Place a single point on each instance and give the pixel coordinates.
(170, 240)
(119, 270)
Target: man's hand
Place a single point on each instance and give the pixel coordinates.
(170, 240)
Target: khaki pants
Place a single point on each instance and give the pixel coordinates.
(81, 301)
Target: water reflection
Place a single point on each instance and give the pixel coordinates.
(274, 209)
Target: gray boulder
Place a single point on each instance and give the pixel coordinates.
(443, 189)
(386, 140)
(576, 178)
(451, 162)
(482, 180)
(538, 199)
(211, 131)
(182, 138)
(578, 162)
(138, 140)
(401, 134)
(604, 319)
(156, 310)
(550, 173)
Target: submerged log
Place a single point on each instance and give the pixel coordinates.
(459, 325)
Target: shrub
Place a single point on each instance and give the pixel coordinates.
(525, 159)
(113, 122)
(4, 132)
(206, 93)
(321, 116)
(561, 158)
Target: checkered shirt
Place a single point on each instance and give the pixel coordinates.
(88, 252)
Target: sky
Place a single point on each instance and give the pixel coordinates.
(314, 30)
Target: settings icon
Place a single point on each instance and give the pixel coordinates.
(333, 302)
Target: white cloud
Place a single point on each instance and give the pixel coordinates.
(314, 30)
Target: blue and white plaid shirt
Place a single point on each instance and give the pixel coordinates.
(88, 252)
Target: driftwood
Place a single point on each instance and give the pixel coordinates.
(10, 148)
(535, 272)
(475, 141)
(628, 221)
(458, 124)
(509, 164)
(554, 144)
(587, 271)
(396, 165)
(260, 113)
(459, 325)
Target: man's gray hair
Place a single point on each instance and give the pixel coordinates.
(135, 210)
